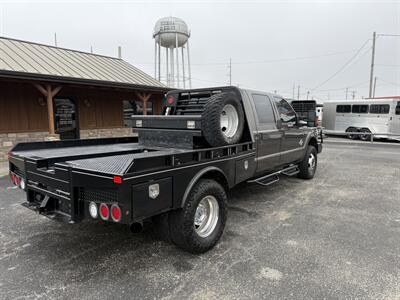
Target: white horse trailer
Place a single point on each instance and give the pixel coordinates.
(380, 116)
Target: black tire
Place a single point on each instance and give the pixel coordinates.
(181, 221)
(365, 137)
(211, 120)
(306, 171)
(352, 136)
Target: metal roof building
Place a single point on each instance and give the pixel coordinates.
(51, 92)
(27, 59)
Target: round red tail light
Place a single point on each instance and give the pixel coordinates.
(104, 211)
(17, 180)
(12, 178)
(116, 213)
(170, 100)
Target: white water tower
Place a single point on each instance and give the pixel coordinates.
(173, 35)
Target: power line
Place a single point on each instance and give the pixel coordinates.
(343, 67)
(393, 35)
(343, 88)
(276, 60)
(388, 82)
(261, 61)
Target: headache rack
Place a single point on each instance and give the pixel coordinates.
(192, 103)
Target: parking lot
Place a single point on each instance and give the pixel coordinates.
(336, 236)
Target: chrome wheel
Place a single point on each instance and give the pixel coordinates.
(206, 216)
(311, 162)
(229, 120)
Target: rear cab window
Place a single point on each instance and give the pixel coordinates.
(264, 110)
(398, 108)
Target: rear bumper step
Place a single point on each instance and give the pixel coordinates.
(53, 214)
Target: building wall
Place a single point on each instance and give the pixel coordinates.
(9, 140)
(104, 133)
(22, 108)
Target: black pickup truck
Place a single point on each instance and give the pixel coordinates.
(177, 172)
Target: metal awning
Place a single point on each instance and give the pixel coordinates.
(27, 60)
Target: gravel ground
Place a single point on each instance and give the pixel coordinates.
(336, 236)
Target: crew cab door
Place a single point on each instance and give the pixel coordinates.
(268, 136)
(293, 137)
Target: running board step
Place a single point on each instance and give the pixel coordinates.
(290, 172)
(274, 177)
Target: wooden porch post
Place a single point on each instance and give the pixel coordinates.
(144, 97)
(49, 93)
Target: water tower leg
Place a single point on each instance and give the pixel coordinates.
(183, 70)
(177, 59)
(159, 62)
(155, 59)
(190, 73)
(167, 67)
(171, 63)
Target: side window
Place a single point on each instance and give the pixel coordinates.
(343, 108)
(398, 108)
(379, 108)
(264, 110)
(359, 109)
(286, 112)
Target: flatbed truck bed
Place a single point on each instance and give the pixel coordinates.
(181, 165)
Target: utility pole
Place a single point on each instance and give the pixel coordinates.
(371, 75)
(347, 91)
(230, 71)
(55, 39)
(294, 88)
(353, 94)
(373, 94)
(298, 92)
(308, 94)
(91, 49)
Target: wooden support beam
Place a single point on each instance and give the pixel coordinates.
(49, 93)
(50, 109)
(41, 89)
(144, 97)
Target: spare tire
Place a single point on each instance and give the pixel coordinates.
(222, 120)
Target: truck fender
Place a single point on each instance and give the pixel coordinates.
(312, 140)
(200, 174)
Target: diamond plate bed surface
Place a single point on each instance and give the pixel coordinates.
(79, 150)
(116, 164)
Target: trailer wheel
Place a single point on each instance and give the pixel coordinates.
(309, 164)
(222, 120)
(198, 226)
(365, 137)
(352, 136)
